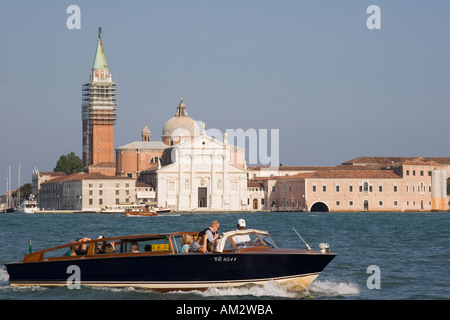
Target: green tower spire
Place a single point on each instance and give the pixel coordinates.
(99, 60)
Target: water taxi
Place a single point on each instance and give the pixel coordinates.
(156, 261)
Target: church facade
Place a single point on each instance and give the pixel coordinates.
(188, 170)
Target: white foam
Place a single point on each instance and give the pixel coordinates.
(333, 288)
(271, 289)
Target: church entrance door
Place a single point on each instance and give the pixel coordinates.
(255, 204)
(202, 196)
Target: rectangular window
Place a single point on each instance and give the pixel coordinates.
(314, 188)
(337, 188)
(350, 203)
(380, 188)
(395, 188)
(350, 188)
(324, 188)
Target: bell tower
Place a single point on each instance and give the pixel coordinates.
(99, 113)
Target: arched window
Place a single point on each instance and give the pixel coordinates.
(366, 187)
(154, 160)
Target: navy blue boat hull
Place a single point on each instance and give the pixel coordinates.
(174, 271)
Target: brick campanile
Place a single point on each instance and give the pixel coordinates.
(99, 113)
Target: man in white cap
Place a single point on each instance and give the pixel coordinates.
(241, 224)
(241, 239)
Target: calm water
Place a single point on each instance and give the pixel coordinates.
(412, 251)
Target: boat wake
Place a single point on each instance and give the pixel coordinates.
(333, 288)
(318, 289)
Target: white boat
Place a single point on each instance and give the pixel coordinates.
(29, 205)
(122, 208)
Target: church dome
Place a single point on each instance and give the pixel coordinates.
(181, 125)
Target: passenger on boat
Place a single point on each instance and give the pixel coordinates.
(241, 239)
(212, 232)
(109, 248)
(81, 249)
(186, 241)
(134, 247)
(99, 249)
(71, 251)
(200, 245)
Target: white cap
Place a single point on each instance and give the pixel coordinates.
(241, 223)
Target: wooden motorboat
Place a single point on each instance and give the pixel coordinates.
(159, 263)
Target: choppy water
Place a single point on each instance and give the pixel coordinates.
(412, 251)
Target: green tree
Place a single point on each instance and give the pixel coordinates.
(69, 163)
(25, 191)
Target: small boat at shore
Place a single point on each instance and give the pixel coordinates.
(158, 263)
(145, 211)
(29, 205)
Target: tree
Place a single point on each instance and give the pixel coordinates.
(25, 191)
(69, 163)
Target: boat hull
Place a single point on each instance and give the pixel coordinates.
(190, 271)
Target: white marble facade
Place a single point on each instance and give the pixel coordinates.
(202, 174)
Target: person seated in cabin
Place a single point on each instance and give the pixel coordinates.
(212, 233)
(147, 248)
(71, 252)
(99, 248)
(200, 244)
(134, 247)
(186, 241)
(109, 248)
(81, 249)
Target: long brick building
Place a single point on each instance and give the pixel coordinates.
(362, 184)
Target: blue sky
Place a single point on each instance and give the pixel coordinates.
(312, 69)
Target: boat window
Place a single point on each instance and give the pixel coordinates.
(157, 244)
(177, 241)
(251, 240)
(66, 251)
(58, 253)
(107, 247)
(268, 241)
(229, 245)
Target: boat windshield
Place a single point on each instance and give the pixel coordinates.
(238, 240)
